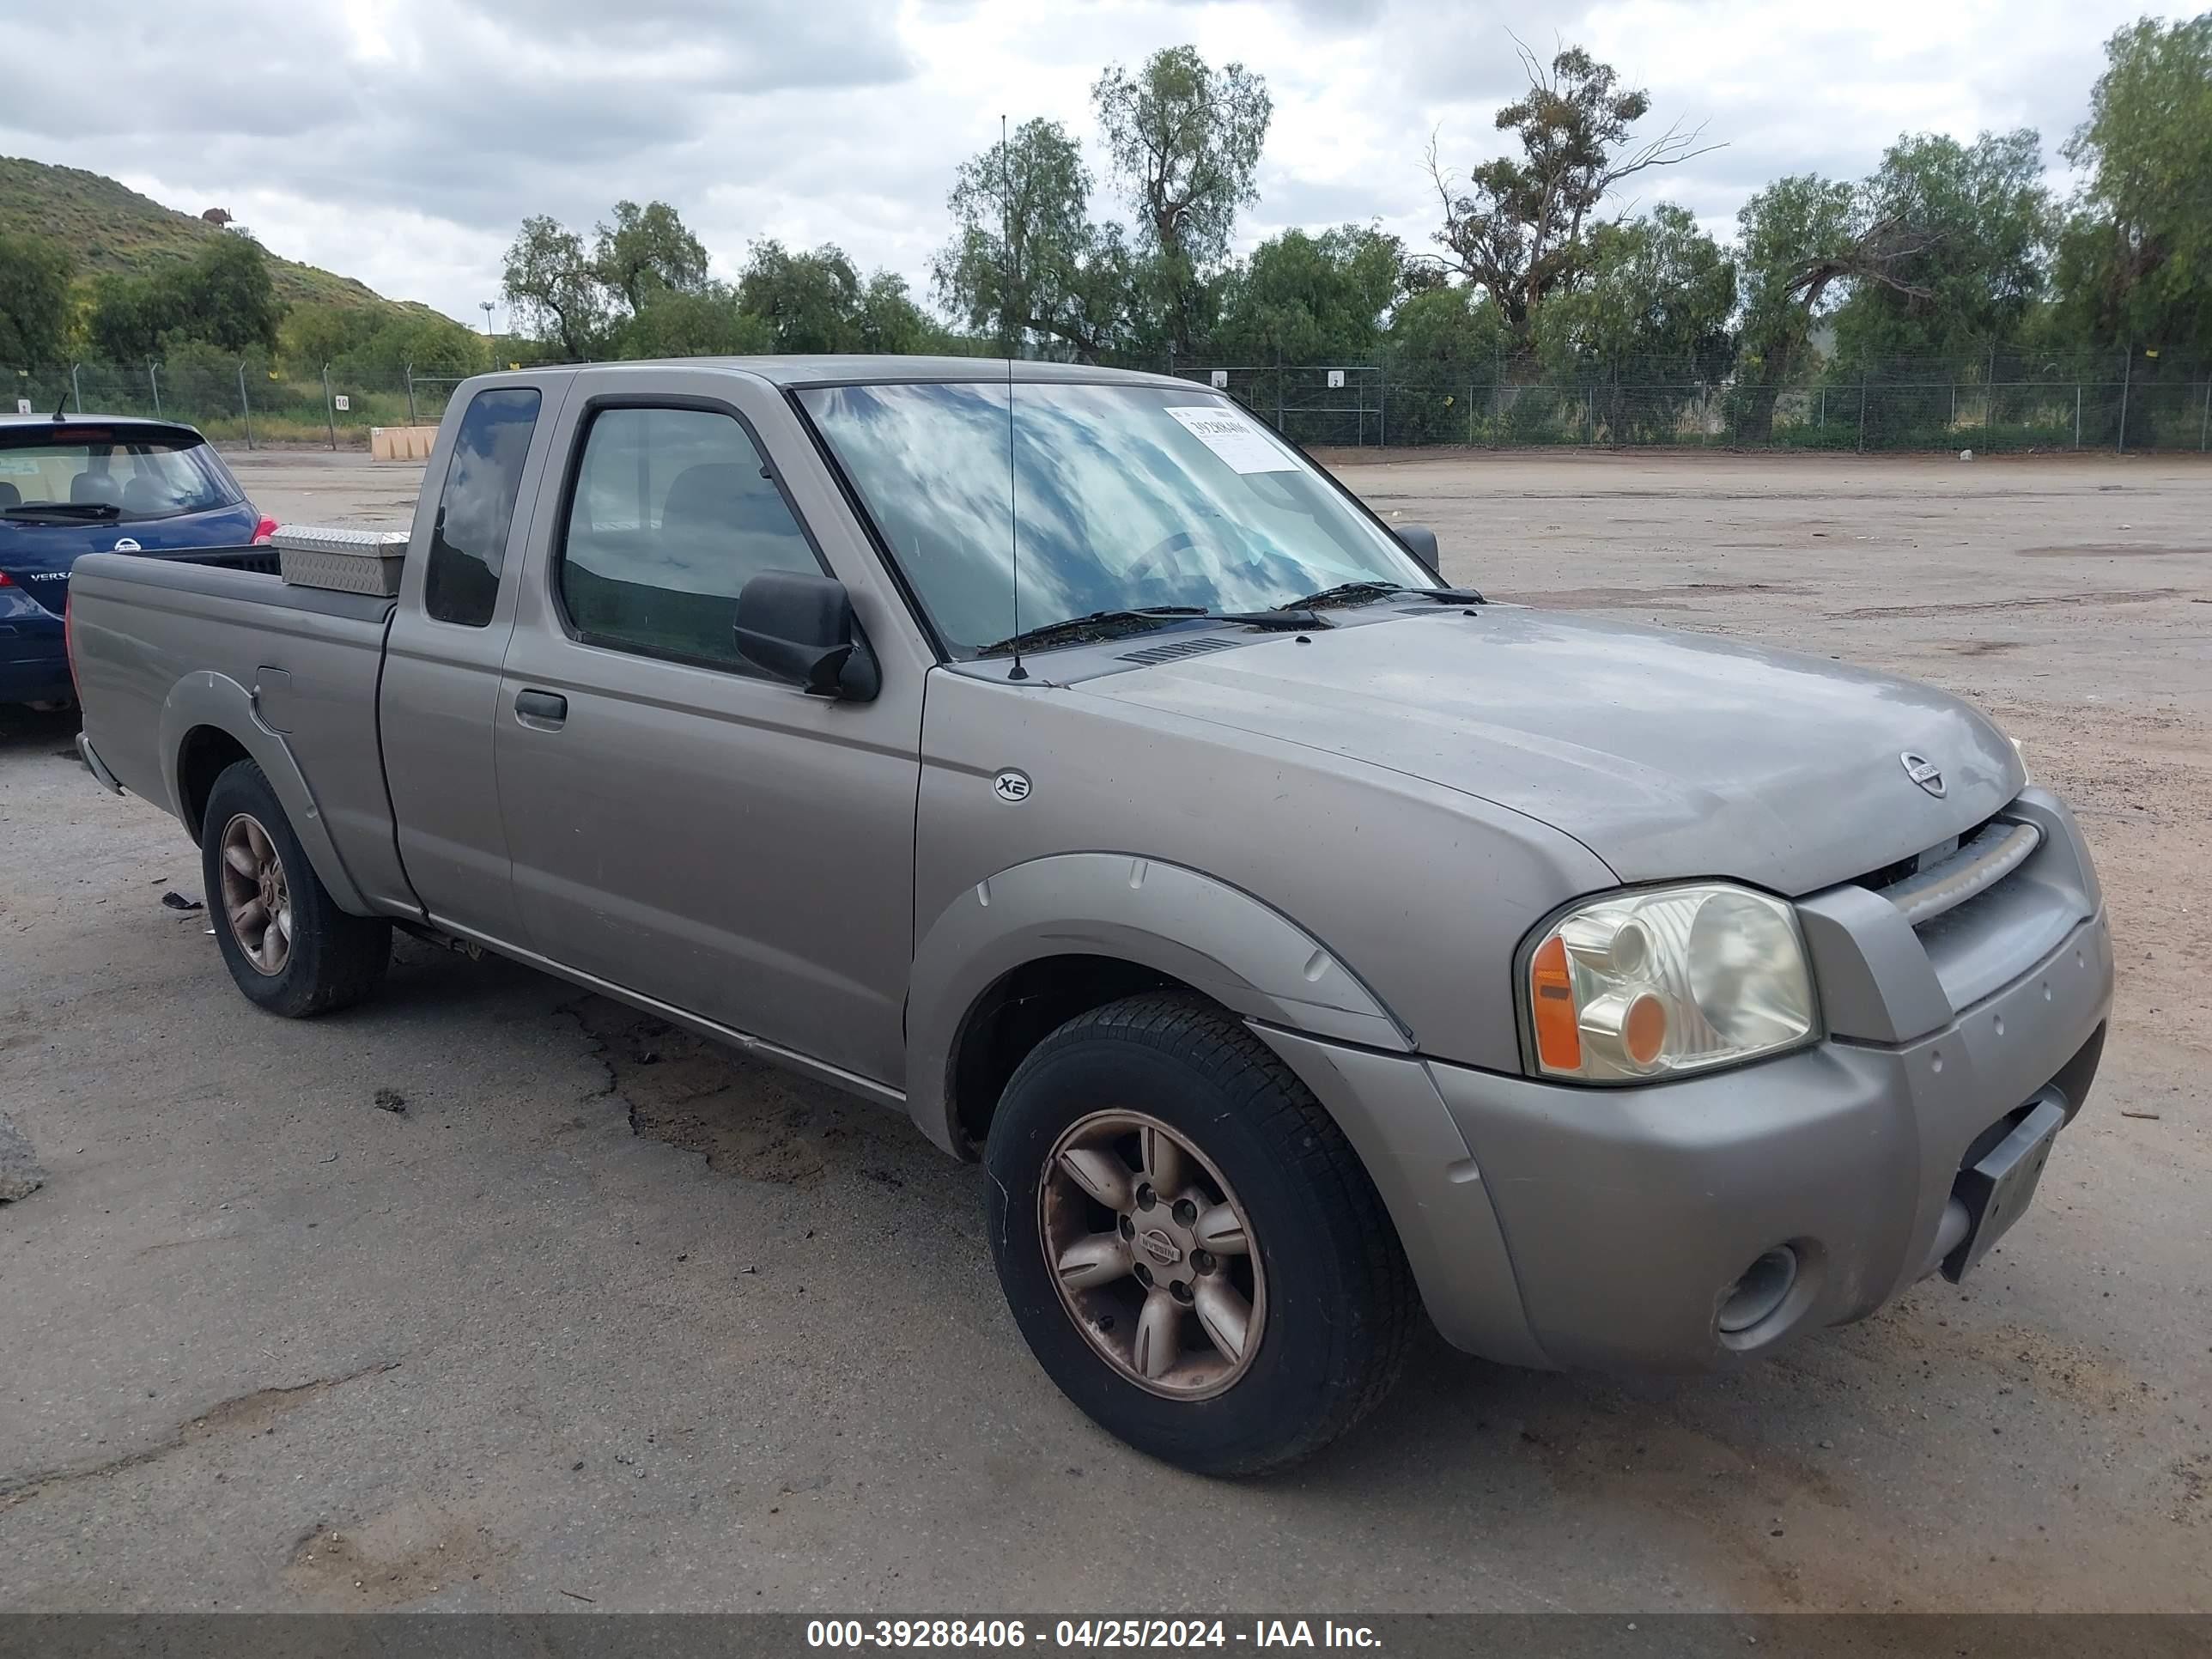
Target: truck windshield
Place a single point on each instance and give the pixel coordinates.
(74, 473)
(1129, 497)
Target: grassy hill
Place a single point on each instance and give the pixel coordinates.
(110, 226)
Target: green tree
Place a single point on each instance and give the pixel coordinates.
(647, 252)
(1795, 241)
(1519, 228)
(421, 342)
(1026, 262)
(705, 322)
(127, 319)
(2134, 262)
(811, 301)
(1305, 299)
(1970, 226)
(313, 335)
(889, 320)
(1447, 325)
(1803, 246)
(552, 288)
(1185, 141)
(35, 309)
(1659, 291)
(223, 296)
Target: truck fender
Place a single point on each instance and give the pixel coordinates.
(207, 698)
(1215, 938)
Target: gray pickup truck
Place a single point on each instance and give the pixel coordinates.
(1057, 757)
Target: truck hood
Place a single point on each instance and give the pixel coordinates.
(1668, 755)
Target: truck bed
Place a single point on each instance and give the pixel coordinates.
(162, 642)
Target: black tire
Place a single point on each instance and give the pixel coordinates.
(332, 958)
(1340, 1304)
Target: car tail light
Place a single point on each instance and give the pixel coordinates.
(264, 531)
(6, 580)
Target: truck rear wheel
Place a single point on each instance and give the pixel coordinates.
(1190, 1246)
(284, 940)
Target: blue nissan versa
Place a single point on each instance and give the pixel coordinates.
(94, 483)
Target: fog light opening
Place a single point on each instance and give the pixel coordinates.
(1765, 1286)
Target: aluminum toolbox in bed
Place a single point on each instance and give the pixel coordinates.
(350, 561)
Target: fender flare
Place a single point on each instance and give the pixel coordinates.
(209, 699)
(1218, 938)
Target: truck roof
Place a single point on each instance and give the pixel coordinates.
(861, 368)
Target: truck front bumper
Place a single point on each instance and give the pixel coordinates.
(1561, 1226)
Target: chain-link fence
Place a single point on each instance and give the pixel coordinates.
(1996, 401)
(2122, 402)
(249, 404)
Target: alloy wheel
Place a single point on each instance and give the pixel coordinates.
(1153, 1255)
(257, 900)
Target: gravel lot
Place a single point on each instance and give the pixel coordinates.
(603, 1315)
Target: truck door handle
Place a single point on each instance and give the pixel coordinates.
(545, 710)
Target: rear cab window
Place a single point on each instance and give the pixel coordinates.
(71, 473)
(475, 509)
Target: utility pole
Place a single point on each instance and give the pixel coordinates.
(490, 344)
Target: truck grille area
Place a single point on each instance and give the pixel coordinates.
(1939, 882)
(1987, 906)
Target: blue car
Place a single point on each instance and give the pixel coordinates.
(95, 483)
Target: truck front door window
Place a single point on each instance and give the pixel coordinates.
(468, 542)
(672, 513)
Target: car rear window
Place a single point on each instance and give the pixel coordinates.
(69, 473)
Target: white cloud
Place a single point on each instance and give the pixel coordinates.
(402, 140)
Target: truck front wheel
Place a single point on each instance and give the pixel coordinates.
(1191, 1247)
(284, 940)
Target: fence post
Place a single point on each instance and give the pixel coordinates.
(1382, 409)
(245, 408)
(2204, 426)
(1823, 421)
(330, 408)
(2077, 414)
(2127, 365)
(1954, 427)
(1470, 412)
(1862, 392)
(153, 380)
(408, 369)
(76, 391)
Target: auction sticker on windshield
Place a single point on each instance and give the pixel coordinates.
(1232, 437)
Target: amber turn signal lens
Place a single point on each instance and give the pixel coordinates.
(1552, 1007)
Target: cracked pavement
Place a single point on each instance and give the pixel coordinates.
(605, 1314)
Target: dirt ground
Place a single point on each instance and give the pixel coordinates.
(602, 1314)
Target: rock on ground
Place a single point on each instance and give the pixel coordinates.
(20, 1172)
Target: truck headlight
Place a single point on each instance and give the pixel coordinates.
(1666, 980)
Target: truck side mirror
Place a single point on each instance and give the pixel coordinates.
(801, 629)
(1420, 541)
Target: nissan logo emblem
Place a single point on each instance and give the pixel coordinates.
(1923, 772)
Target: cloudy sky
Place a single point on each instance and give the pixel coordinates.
(402, 140)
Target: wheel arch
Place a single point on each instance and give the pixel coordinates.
(1056, 936)
(208, 723)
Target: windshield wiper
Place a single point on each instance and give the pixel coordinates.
(85, 511)
(1093, 625)
(1360, 592)
(1108, 624)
